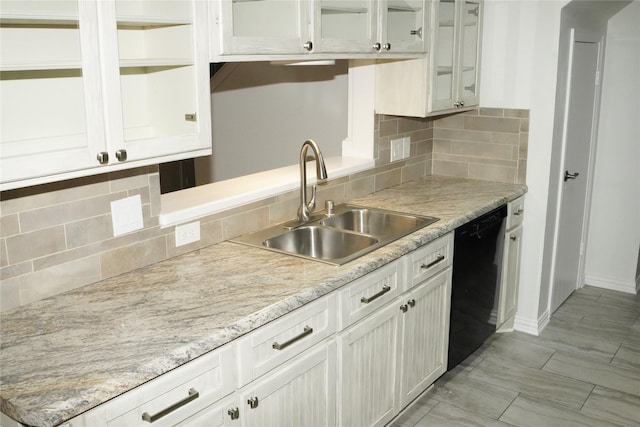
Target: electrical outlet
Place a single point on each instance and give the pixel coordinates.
(126, 215)
(406, 147)
(187, 233)
(396, 149)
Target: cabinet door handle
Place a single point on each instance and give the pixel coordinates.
(377, 46)
(103, 157)
(121, 155)
(514, 238)
(193, 395)
(412, 303)
(518, 212)
(307, 331)
(404, 308)
(432, 263)
(253, 402)
(386, 46)
(367, 300)
(308, 46)
(234, 413)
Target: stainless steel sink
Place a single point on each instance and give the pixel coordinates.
(320, 242)
(339, 237)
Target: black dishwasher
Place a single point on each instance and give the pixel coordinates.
(477, 262)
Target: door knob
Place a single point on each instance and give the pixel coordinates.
(568, 175)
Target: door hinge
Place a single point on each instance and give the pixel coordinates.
(190, 117)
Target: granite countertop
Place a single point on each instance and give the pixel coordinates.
(69, 353)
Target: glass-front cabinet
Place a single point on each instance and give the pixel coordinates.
(285, 27)
(90, 86)
(455, 54)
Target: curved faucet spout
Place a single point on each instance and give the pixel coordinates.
(305, 208)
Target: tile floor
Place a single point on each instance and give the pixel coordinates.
(583, 370)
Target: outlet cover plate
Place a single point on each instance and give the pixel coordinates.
(396, 149)
(187, 233)
(126, 215)
(406, 147)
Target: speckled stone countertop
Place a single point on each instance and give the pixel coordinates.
(69, 353)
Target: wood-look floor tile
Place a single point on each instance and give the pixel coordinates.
(472, 395)
(415, 412)
(627, 357)
(510, 347)
(594, 372)
(604, 308)
(614, 405)
(528, 412)
(537, 383)
(559, 336)
(444, 415)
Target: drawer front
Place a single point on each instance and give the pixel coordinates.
(515, 213)
(176, 395)
(429, 260)
(273, 344)
(368, 294)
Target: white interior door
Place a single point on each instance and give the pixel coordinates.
(579, 135)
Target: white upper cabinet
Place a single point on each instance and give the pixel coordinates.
(92, 86)
(286, 27)
(447, 78)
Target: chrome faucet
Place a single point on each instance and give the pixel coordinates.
(305, 209)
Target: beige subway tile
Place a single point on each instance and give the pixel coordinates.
(331, 193)
(384, 143)
(518, 113)
(420, 135)
(145, 196)
(388, 127)
(359, 187)
(505, 138)
(129, 179)
(60, 278)
(423, 148)
(462, 135)
(26, 246)
(524, 145)
(515, 152)
(447, 168)
(522, 172)
(454, 121)
(245, 222)
(481, 149)
(284, 210)
(524, 125)
(384, 158)
(492, 124)
(9, 225)
(15, 270)
(492, 173)
(491, 112)
(441, 146)
(472, 112)
(412, 124)
(414, 171)
(388, 179)
(472, 159)
(210, 233)
(87, 231)
(132, 257)
(67, 212)
(3, 253)
(39, 196)
(154, 194)
(9, 294)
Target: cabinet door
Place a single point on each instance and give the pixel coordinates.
(469, 53)
(443, 59)
(263, 27)
(425, 335)
(403, 25)
(367, 356)
(510, 275)
(156, 79)
(221, 414)
(50, 90)
(344, 26)
(299, 393)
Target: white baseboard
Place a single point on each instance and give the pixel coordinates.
(531, 326)
(612, 284)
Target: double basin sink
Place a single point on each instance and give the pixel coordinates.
(337, 238)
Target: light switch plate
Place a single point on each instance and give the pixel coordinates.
(396, 149)
(406, 147)
(126, 215)
(187, 233)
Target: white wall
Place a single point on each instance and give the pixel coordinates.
(519, 69)
(262, 113)
(614, 227)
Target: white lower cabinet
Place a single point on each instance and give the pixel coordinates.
(425, 335)
(510, 275)
(298, 393)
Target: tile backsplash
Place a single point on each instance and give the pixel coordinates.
(57, 237)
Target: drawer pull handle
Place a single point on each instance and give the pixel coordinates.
(518, 212)
(307, 331)
(367, 300)
(234, 413)
(432, 263)
(193, 394)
